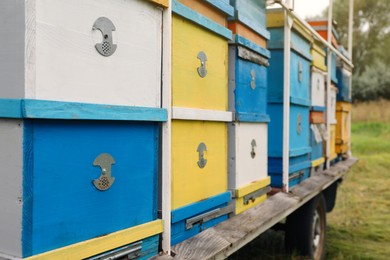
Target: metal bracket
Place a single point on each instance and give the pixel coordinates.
(132, 251)
(254, 195)
(202, 71)
(253, 80)
(213, 214)
(105, 181)
(297, 175)
(202, 148)
(299, 124)
(106, 27)
(254, 145)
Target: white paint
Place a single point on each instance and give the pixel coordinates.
(201, 114)
(68, 67)
(317, 88)
(243, 169)
(166, 180)
(11, 158)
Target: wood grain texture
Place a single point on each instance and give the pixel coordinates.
(203, 8)
(68, 67)
(190, 183)
(11, 175)
(188, 88)
(222, 240)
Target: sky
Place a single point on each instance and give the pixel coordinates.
(309, 8)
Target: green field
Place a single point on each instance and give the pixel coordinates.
(359, 226)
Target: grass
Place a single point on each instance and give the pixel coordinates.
(359, 226)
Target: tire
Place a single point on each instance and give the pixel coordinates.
(306, 230)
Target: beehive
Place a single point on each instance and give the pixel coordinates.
(344, 77)
(300, 99)
(82, 124)
(318, 71)
(199, 136)
(343, 111)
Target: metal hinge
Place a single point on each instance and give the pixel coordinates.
(216, 213)
(252, 196)
(132, 251)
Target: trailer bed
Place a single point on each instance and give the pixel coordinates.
(229, 236)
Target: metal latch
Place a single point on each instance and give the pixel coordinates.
(297, 175)
(299, 124)
(253, 80)
(132, 251)
(252, 196)
(213, 214)
(254, 145)
(300, 72)
(106, 27)
(202, 71)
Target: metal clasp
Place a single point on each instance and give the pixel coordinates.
(253, 81)
(202, 148)
(254, 145)
(202, 71)
(213, 214)
(299, 124)
(254, 195)
(300, 72)
(106, 27)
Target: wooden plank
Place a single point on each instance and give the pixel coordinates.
(204, 9)
(224, 239)
(201, 114)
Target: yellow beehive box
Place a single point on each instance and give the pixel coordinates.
(199, 161)
(199, 57)
(343, 110)
(319, 56)
(332, 139)
(251, 195)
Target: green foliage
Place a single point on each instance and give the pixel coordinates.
(371, 36)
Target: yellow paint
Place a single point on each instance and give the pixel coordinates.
(333, 153)
(240, 193)
(343, 124)
(275, 18)
(319, 56)
(205, 9)
(190, 183)
(188, 88)
(342, 148)
(164, 3)
(317, 162)
(103, 244)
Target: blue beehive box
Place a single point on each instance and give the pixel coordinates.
(316, 143)
(299, 100)
(344, 78)
(248, 64)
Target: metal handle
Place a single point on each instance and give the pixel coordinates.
(202, 71)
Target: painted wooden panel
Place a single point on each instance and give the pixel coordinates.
(180, 232)
(299, 69)
(252, 14)
(333, 68)
(241, 29)
(344, 78)
(319, 56)
(317, 88)
(62, 205)
(11, 158)
(247, 153)
(64, 65)
(239, 201)
(332, 108)
(317, 117)
(343, 110)
(189, 89)
(205, 9)
(190, 181)
(299, 170)
(247, 86)
(333, 153)
(321, 26)
(316, 143)
(299, 130)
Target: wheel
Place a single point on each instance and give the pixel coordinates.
(306, 228)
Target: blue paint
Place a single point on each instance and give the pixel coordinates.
(252, 13)
(66, 208)
(179, 216)
(250, 104)
(277, 179)
(344, 86)
(44, 109)
(333, 68)
(299, 143)
(299, 44)
(201, 20)
(252, 46)
(299, 90)
(317, 148)
(222, 5)
(317, 108)
(149, 247)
